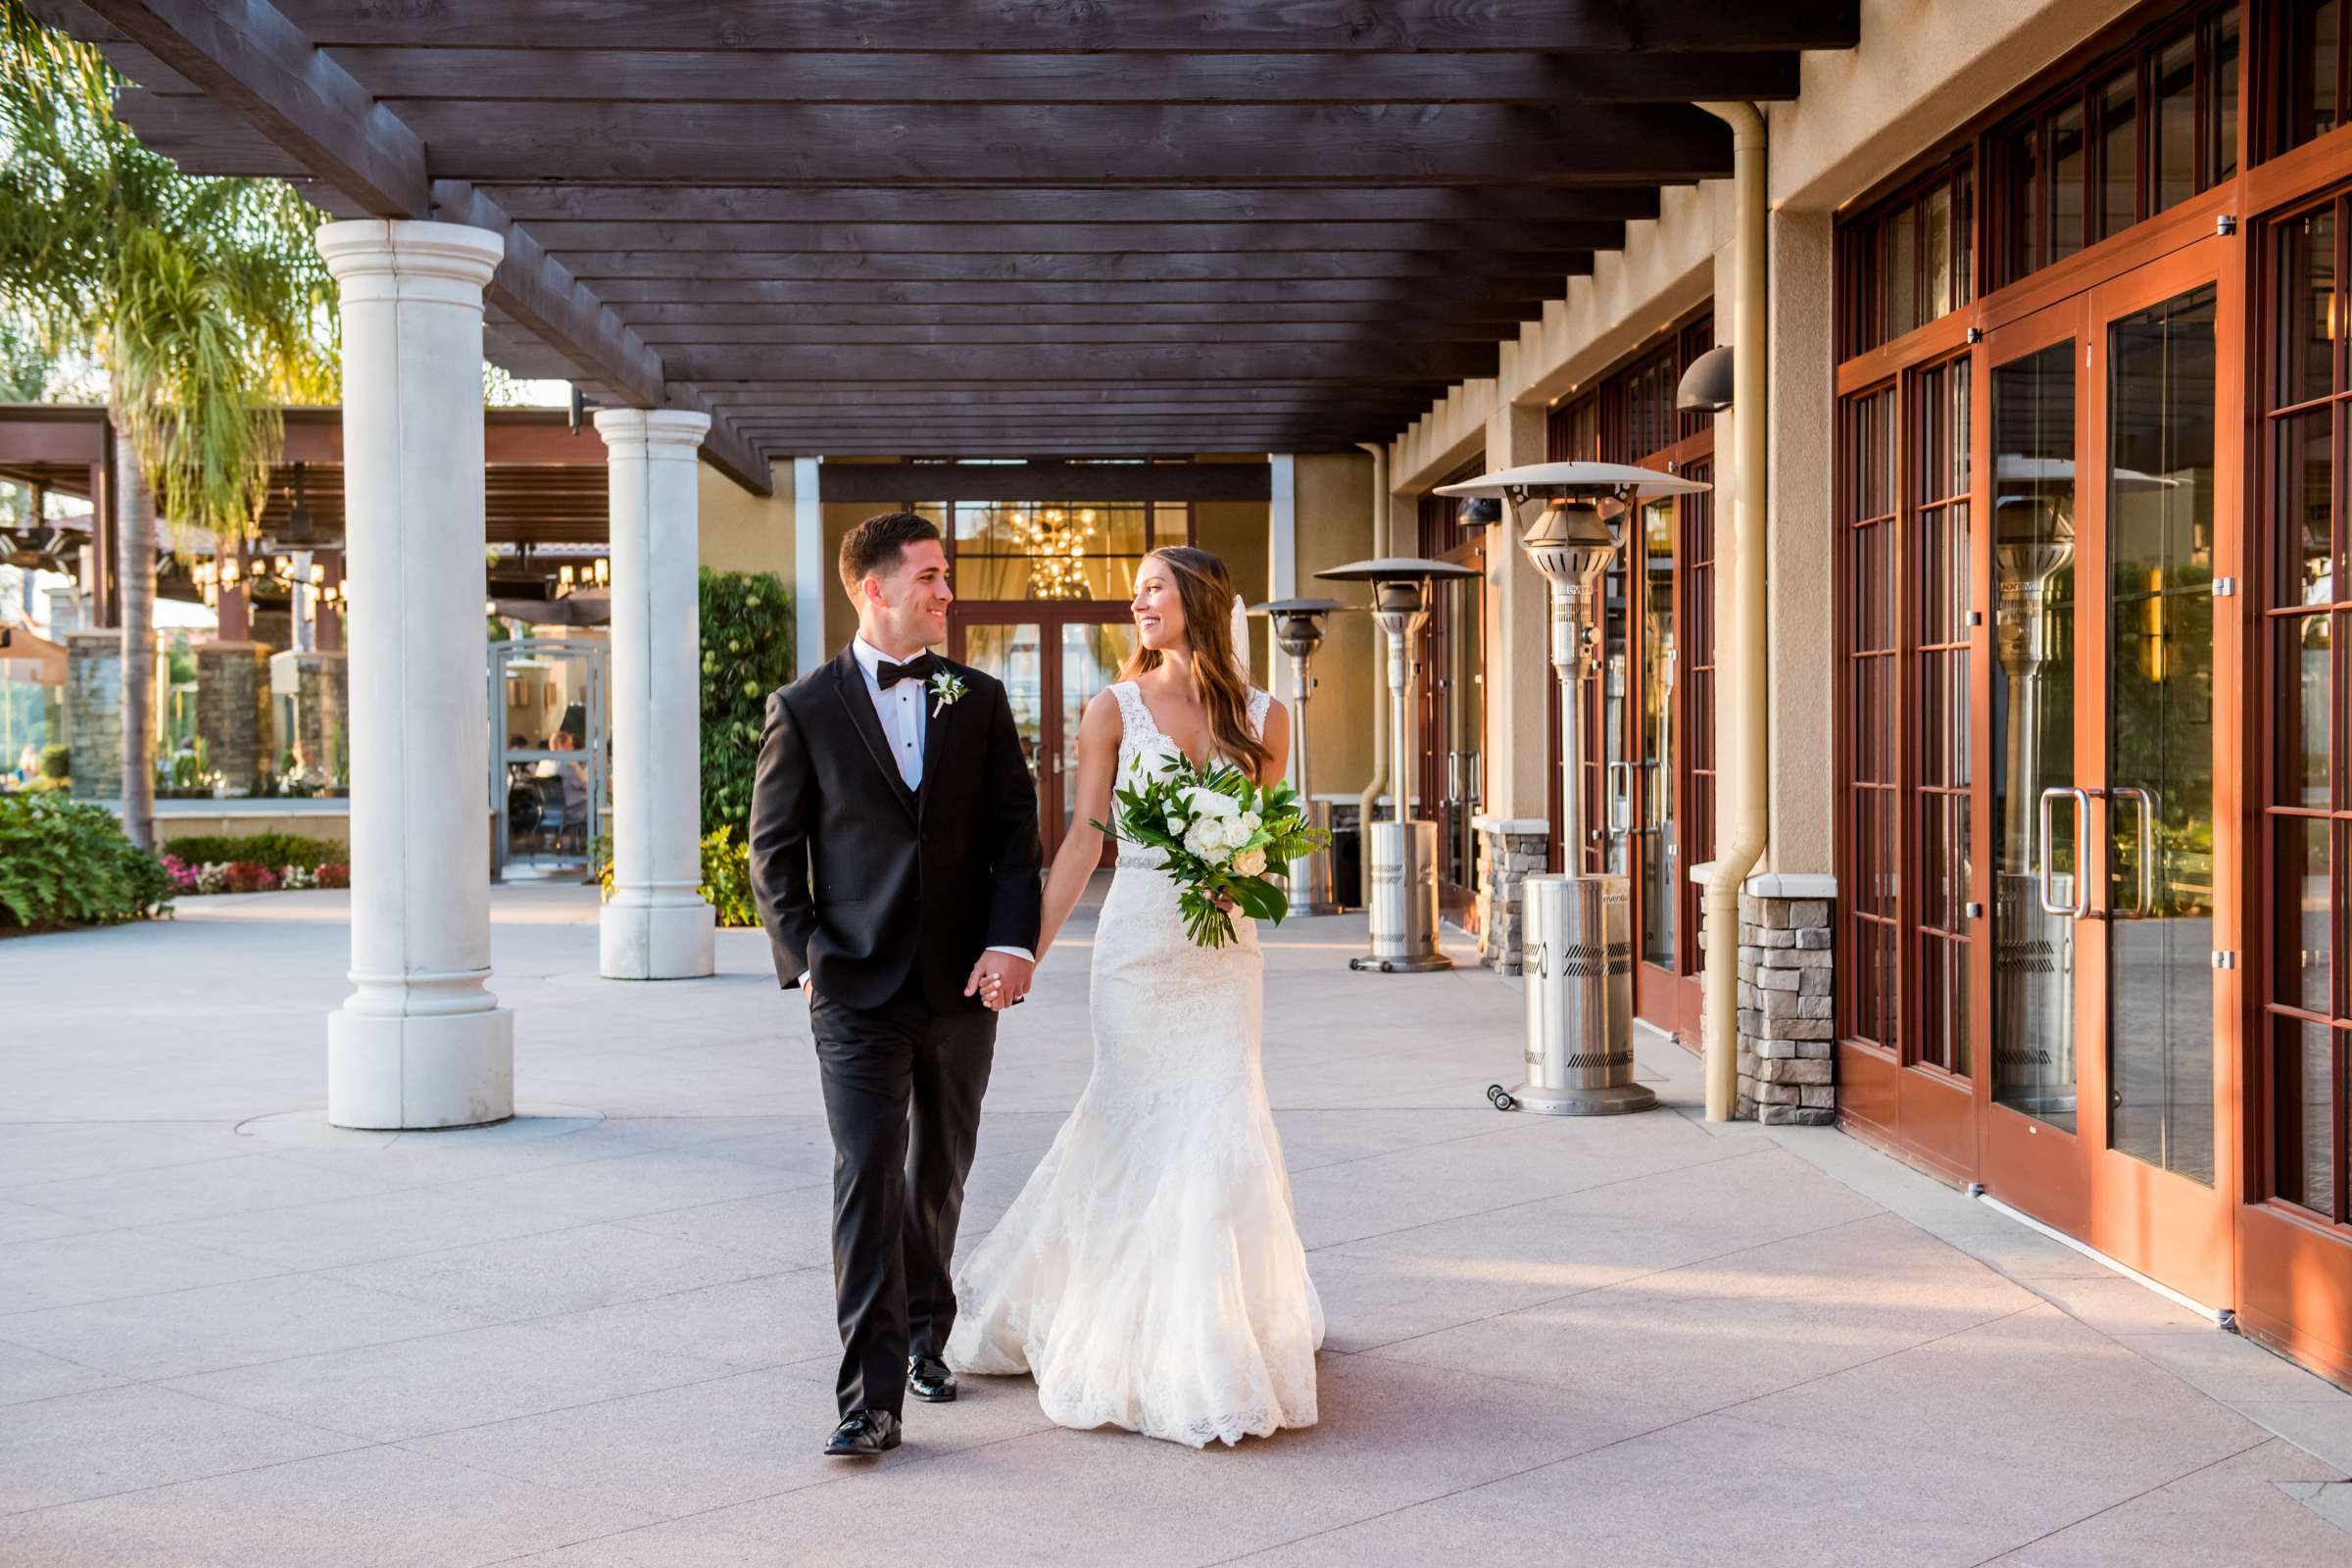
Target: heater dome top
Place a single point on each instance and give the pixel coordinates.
(1395, 569)
(1597, 480)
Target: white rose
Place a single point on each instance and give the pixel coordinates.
(1249, 862)
(1203, 840)
(1211, 803)
(1251, 824)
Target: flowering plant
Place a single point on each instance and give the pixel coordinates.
(1224, 837)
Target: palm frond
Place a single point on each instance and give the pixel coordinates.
(204, 299)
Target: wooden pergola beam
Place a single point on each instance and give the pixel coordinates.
(1139, 363)
(1401, 203)
(1143, 144)
(954, 239)
(1172, 267)
(1176, 26)
(664, 338)
(752, 75)
(1487, 294)
(249, 59)
(1482, 324)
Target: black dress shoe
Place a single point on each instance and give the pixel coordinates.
(863, 1433)
(929, 1380)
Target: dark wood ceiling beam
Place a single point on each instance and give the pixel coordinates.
(1399, 362)
(1138, 144)
(664, 338)
(1494, 294)
(752, 75)
(1285, 385)
(963, 239)
(1177, 26)
(1171, 266)
(1467, 318)
(1095, 204)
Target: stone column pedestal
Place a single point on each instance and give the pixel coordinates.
(420, 1042)
(232, 712)
(94, 712)
(1788, 1060)
(1509, 850)
(656, 926)
(319, 686)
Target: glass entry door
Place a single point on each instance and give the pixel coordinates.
(2112, 1093)
(1051, 663)
(550, 774)
(1642, 769)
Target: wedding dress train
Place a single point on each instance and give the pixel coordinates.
(1150, 1275)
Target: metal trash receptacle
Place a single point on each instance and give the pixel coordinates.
(1578, 971)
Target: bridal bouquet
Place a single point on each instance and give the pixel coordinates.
(1224, 837)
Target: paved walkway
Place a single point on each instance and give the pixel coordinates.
(603, 1335)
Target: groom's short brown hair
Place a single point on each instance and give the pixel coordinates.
(873, 547)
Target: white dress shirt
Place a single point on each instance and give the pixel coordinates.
(902, 710)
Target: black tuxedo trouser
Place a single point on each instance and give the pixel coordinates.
(902, 1087)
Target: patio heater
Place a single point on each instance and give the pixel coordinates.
(1578, 926)
(1299, 632)
(1400, 855)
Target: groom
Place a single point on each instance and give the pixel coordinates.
(895, 856)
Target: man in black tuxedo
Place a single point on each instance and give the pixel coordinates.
(896, 859)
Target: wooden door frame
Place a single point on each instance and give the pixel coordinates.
(2032, 1165)
(1669, 1001)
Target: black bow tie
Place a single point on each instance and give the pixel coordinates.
(919, 667)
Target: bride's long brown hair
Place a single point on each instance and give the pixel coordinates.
(1205, 590)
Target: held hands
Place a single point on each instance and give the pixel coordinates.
(1000, 980)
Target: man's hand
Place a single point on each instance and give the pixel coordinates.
(999, 979)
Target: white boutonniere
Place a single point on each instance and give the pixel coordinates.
(946, 688)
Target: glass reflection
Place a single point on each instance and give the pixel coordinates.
(2033, 728)
(2160, 892)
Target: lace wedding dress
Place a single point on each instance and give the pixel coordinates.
(1150, 1275)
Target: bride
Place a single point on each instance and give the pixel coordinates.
(1150, 1275)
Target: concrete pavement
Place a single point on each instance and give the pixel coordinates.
(602, 1335)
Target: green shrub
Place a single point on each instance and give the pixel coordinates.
(727, 875)
(68, 863)
(274, 850)
(727, 878)
(746, 653)
(57, 762)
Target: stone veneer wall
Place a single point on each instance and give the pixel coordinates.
(1787, 1004)
(1510, 850)
(232, 712)
(320, 683)
(94, 713)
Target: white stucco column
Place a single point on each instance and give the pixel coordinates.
(420, 1042)
(811, 576)
(656, 926)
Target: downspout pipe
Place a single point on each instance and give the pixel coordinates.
(1369, 800)
(1744, 822)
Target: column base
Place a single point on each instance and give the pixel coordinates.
(657, 941)
(385, 1072)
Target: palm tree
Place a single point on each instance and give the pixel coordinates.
(203, 301)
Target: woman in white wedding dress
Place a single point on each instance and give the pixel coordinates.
(1150, 1276)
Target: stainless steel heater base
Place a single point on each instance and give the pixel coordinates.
(1615, 1100)
(1401, 870)
(1579, 1001)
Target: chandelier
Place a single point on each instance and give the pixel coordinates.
(267, 572)
(1055, 540)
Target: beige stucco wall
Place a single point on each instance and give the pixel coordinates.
(743, 533)
(1334, 511)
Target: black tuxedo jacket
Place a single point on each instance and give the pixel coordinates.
(859, 878)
